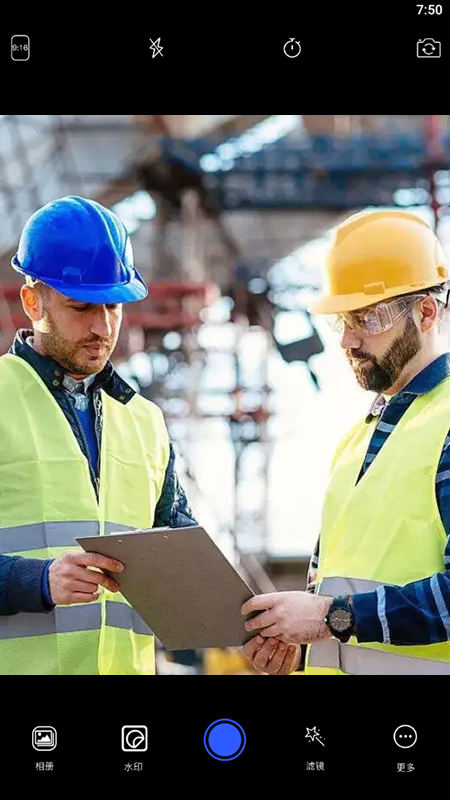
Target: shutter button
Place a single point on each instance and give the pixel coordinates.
(225, 740)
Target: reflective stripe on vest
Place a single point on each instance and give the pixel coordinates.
(119, 615)
(67, 619)
(351, 660)
(43, 535)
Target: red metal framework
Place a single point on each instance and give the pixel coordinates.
(173, 306)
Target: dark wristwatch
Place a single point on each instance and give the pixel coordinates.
(341, 618)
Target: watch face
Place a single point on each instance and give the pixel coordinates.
(340, 619)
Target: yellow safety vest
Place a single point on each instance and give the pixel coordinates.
(384, 530)
(47, 499)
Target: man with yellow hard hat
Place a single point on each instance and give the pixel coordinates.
(381, 571)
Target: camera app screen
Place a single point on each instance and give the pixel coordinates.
(225, 392)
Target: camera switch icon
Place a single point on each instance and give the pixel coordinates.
(428, 48)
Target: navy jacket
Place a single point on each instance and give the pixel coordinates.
(22, 580)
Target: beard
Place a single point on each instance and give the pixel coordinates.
(73, 356)
(379, 375)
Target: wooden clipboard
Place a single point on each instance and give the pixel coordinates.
(181, 585)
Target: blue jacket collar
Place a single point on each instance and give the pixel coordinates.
(424, 382)
(430, 377)
(53, 373)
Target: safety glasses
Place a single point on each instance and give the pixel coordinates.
(374, 319)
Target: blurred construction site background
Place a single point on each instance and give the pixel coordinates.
(230, 216)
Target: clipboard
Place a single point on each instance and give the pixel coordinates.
(181, 585)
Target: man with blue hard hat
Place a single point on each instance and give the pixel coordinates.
(82, 453)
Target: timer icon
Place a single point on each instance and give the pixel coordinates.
(292, 48)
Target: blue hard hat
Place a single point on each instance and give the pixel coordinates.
(82, 250)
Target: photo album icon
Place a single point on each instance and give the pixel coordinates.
(44, 738)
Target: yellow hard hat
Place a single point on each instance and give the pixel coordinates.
(376, 255)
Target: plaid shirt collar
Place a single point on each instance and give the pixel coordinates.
(78, 387)
(377, 407)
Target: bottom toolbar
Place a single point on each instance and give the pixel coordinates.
(341, 741)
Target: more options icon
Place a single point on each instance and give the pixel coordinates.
(405, 736)
(134, 738)
(428, 48)
(44, 738)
